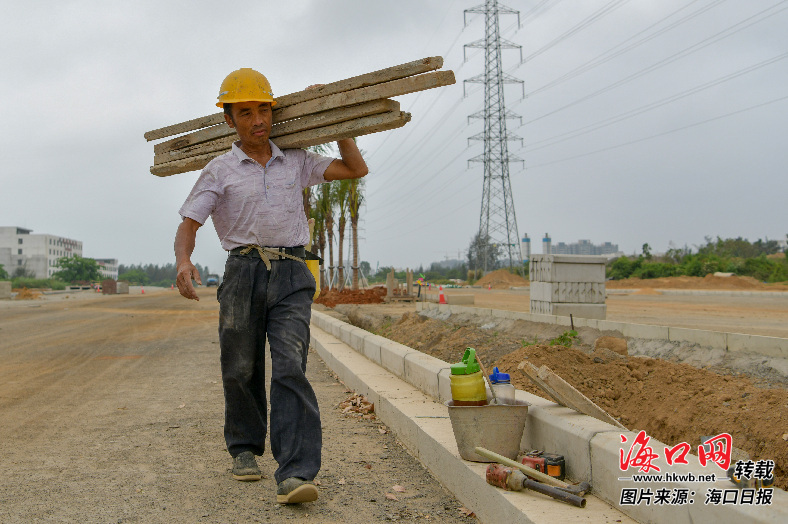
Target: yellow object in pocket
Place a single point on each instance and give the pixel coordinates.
(314, 268)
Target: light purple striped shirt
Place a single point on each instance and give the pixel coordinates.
(252, 204)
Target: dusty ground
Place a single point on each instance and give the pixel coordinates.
(112, 411)
(755, 315)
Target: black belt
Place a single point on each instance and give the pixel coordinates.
(297, 251)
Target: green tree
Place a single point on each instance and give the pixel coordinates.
(77, 269)
(482, 253)
(325, 209)
(3, 273)
(355, 199)
(341, 189)
(135, 276)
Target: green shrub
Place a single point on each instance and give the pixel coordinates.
(38, 283)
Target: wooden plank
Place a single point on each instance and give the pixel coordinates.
(376, 77)
(530, 371)
(361, 126)
(194, 138)
(388, 74)
(321, 119)
(568, 392)
(402, 86)
(317, 120)
(185, 127)
(352, 128)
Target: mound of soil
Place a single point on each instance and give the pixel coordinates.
(333, 297)
(501, 279)
(673, 402)
(708, 282)
(27, 294)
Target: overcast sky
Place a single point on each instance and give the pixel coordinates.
(669, 122)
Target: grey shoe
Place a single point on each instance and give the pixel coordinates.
(245, 467)
(295, 490)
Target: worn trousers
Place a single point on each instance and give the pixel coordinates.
(255, 303)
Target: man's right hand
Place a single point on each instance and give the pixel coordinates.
(187, 272)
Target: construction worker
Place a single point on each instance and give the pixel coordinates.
(254, 195)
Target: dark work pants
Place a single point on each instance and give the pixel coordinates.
(253, 303)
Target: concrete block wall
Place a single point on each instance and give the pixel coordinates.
(591, 447)
(579, 292)
(5, 289)
(567, 268)
(568, 285)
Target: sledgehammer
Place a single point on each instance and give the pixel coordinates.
(574, 489)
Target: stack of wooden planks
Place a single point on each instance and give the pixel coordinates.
(348, 108)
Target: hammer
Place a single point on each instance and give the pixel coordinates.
(574, 489)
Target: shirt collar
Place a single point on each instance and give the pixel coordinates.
(241, 156)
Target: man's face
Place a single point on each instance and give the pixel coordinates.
(252, 122)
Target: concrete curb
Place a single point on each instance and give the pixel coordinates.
(591, 447)
(738, 342)
(423, 426)
(704, 292)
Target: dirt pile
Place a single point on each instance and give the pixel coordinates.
(501, 279)
(673, 402)
(733, 282)
(333, 297)
(27, 294)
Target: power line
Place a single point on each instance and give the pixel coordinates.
(675, 130)
(681, 54)
(548, 142)
(588, 21)
(612, 53)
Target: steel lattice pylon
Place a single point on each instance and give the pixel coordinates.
(497, 220)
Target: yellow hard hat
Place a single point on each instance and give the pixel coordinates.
(245, 85)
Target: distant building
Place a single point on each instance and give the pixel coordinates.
(585, 247)
(38, 254)
(108, 267)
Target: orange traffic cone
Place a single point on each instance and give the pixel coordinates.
(172, 286)
(142, 290)
(442, 299)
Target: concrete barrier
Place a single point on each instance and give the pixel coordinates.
(738, 342)
(451, 298)
(5, 289)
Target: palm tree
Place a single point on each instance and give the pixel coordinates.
(325, 205)
(355, 199)
(341, 191)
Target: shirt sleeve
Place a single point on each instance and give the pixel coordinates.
(203, 198)
(314, 168)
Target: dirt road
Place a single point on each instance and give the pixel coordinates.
(754, 314)
(112, 411)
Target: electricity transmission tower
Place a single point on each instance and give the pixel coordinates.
(497, 221)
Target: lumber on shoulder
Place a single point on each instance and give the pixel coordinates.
(403, 86)
(352, 128)
(332, 116)
(337, 101)
(368, 79)
(306, 123)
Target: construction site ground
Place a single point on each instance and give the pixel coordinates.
(112, 406)
(112, 411)
(680, 396)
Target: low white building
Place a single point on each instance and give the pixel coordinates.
(108, 267)
(38, 254)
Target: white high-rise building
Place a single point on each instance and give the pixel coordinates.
(38, 254)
